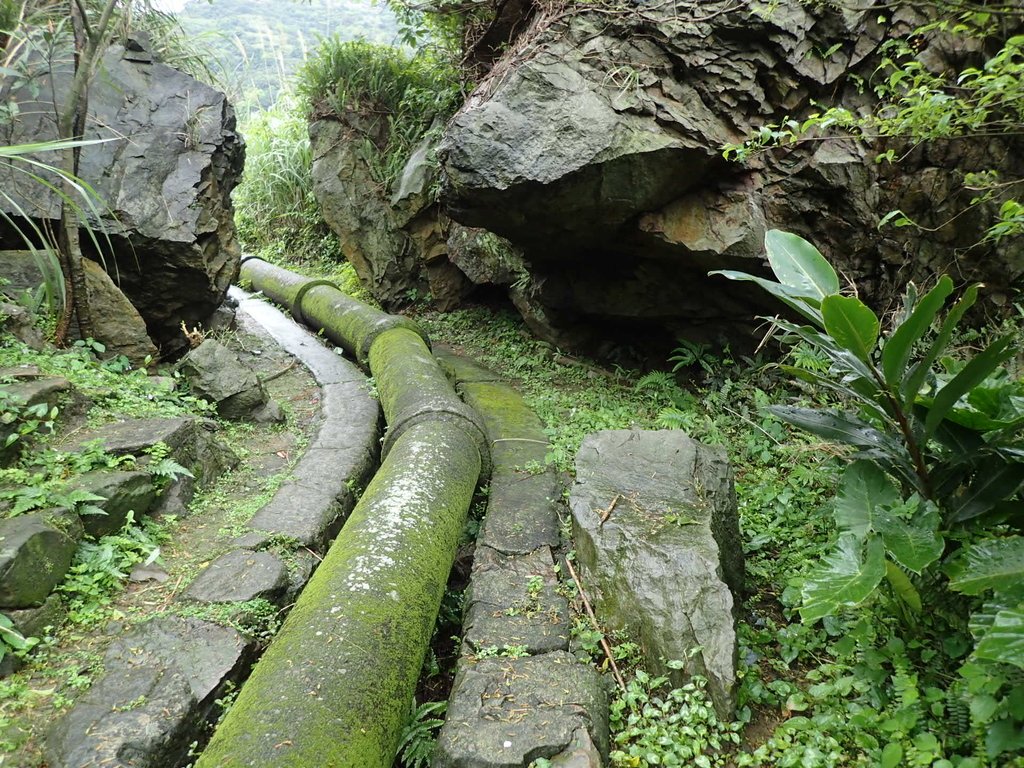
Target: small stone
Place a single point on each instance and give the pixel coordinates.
(144, 573)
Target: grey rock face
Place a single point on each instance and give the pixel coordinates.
(35, 553)
(218, 374)
(165, 182)
(657, 535)
(369, 228)
(505, 713)
(159, 684)
(595, 148)
(117, 324)
(18, 322)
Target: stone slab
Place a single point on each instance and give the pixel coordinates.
(159, 684)
(123, 491)
(463, 369)
(512, 602)
(239, 576)
(657, 535)
(522, 512)
(506, 713)
(307, 513)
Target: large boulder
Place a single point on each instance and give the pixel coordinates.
(595, 146)
(360, 215)
(164, 175)
(657, 536)
(401, 243)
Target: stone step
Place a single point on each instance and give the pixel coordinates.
(518, 694)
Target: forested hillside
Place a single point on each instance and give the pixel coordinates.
(257, 44)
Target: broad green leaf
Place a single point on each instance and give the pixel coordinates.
(10, 636)
(803, 305)
(799, 265)
(913, 541)
(976, 371)
(852, 324)
(863, 489)
(837, 426)
(902, 586)
(900, 345)
(1004, 640)
(912, 383)
(984, 565)
(844, 579)
(996, 481)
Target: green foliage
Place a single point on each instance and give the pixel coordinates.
(256, 46)
(654, 724)
(418, 739)
(11, 640)
(44, 478)
(931, 502)
(390, 98)
(100, 568)
(274, 205)
(916, 103)
(19, 422)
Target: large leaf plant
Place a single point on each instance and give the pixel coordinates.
(932, 495)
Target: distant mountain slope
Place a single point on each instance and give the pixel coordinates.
(256, 44)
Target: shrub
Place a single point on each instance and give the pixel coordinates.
(929, 509)
(394, 98)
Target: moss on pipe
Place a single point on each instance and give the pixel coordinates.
(412, 389)
(346, 321)
(334, 687)
(352, 323)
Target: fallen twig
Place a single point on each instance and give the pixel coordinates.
(597, 627)
(607, 511)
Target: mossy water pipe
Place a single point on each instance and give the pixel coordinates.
(412, 386)
(334, 687)
(348, 322)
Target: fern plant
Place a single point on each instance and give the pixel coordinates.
(419, 737)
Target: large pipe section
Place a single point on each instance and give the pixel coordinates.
(334, 687)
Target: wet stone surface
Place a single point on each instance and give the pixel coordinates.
(513, 602)
(160, 681)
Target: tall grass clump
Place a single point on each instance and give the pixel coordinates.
(390, 98)
(275, 208)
